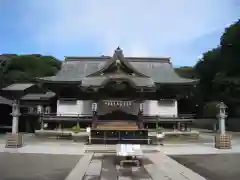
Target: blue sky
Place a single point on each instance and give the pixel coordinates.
(180, 29)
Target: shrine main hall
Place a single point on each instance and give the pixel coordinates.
(108, 93)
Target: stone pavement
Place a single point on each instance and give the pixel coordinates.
(15, 166)
(98, 160)
(191, 149)
(156, 166)
(72, 148)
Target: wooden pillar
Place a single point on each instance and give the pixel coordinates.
(179, 126)
(40, 113)
(27, 126)
(94, 114)
(41, 123)
(140, 116)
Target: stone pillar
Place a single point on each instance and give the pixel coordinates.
(222, 125)
(14, 139)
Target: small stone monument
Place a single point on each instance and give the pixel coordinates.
(222, 140)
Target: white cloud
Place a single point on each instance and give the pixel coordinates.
(140, 27)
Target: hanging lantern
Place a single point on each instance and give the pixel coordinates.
(39, 109)
(94, 107)
(141, 107)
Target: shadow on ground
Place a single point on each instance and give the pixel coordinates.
(36, 166)
(213, 167)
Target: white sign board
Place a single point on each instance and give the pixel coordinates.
(88, 129)
(160, 136)
(129, 150)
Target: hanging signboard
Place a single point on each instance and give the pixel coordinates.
(113, 103)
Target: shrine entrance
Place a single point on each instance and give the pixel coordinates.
(118, 115)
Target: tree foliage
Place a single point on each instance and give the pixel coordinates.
(219, 69)
(22, 68)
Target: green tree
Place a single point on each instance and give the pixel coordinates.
(219, 69)
(186, 72)
(25, 68)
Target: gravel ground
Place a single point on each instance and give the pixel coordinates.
(36, 166)
(213, 167)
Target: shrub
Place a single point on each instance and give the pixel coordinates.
(159, 129)
(210, 110)
(76, 129)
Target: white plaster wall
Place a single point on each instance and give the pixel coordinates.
(85, 107)
(164, 108)
(68, 108)
(74, 108)
(104, 109)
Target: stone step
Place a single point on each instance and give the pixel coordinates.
(14, 140)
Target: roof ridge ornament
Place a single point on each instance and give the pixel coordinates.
(118, 49)
(118, 54)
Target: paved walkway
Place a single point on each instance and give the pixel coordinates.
(97, 163)
(156, 166)
(190, 149)
(79, 148)
(48, 148)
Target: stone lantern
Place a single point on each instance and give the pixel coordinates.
(15, 92)
(222, 140)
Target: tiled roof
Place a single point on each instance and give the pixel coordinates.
(6, 101)
(38, 96)
(158, 70)
(102, 80)
(18, 87)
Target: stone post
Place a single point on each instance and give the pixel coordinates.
(14, 139)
